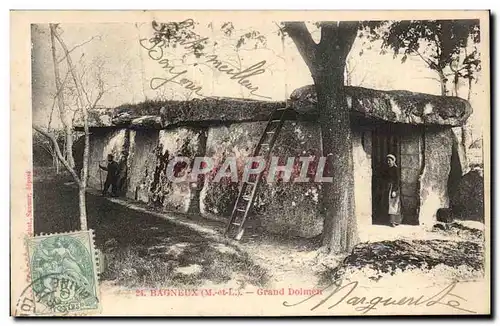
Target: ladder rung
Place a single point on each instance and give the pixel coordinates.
(273, 127)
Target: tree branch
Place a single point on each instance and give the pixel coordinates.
(264, 48)
(87, 97)
(70, 66)
(47, 148)
(98, 98)
(76, 47)
(74, 116)
(83, 107)
(329, 33)
(360, 83)
(59, 87)
(430, 63)
(280, 29)
(303, 41)
(433, 78)
(58, 152)
(342, 33)
(349, 32)
(455, 71)
(351, 67)
(439, 45)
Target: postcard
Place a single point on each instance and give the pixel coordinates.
(250, 163)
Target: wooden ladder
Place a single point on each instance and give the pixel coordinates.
(248, 189)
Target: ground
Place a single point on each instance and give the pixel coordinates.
(141, 249)
(145, 249)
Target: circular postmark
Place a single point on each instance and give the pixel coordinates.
(64, 277)
(54, 294)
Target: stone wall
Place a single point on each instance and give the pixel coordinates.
(235, 140)
(287, 208)
(102, 143)
(411, 160)
(142, 162)
(362, 158)
(163, 192)
(151, 151)
(292, 208)
(434, 180)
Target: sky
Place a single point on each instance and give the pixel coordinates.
(128, 70)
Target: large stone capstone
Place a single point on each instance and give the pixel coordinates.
(163, 114)
(392, 106)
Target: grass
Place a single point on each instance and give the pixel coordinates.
(139, 267)
(141, 250)
(390, 257)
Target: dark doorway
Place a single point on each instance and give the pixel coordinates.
(385, 140)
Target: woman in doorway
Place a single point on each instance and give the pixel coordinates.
(391, 196)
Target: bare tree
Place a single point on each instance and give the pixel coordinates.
(350, 68)
(45, 144)
(63, 113)
(41, 142)
(85, 100)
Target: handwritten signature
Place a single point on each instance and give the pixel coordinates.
(345, 294)
(155, 52)
(155, 47)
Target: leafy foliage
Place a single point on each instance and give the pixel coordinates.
(441, 44)
(172, 33)
(446, 37)
(179, 33)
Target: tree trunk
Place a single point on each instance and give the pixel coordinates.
(339, 229)
(84, 109)
(327, 61)
(68, 148)
(55, 162)
(456, 85)
(443, 80)
(58, 152)
(196, 188)
(83, 207)
(469, 91)
(84, 173)
(69, 145)
(347, 74)
(85, 169)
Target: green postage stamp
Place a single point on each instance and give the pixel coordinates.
(63, 271)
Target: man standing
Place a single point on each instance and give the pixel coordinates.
(122, 174)
(112, 176)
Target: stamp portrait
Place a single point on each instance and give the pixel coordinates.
(63, 270)
(244, 163)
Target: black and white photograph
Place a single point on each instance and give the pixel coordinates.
(240, 163)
